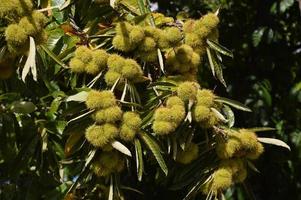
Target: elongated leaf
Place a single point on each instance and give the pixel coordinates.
(155, 149)
(141, 6)
(195, 189)
(83, 173)
(161, 63)
(230, 115)
(161, 83)
(71, 142)
(219, 74)
(129, 104)
(215, 66)
(219, 115)
(65, 4)
(139, 159)
(233, 103)
(261, 129)
(131, 189)
(112, 3)
(219, 48)
(31, 61)
(90, 85)
(79, 97)
(111, 190)
(53, 56)
(120, 147)
(252, 166)
(129, 5)
(212, 67)
(273, 141)
(81, 116)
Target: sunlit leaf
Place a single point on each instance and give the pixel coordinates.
(221, 49)
(273, 141)
(233, 103)
(120, 147)
(139, 159)
(229, 115)
(30, 64)
(79, 97)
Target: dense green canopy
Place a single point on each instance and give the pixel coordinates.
(131, 99)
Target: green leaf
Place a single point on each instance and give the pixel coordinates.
(233, 103)
(252, 166)
(65, 5)
(257, 36)
(286, 4)
(219, 48)
(230, 115)
(211, 63)
(72, 141)
(195, 189)
(53, 56)
(129, 104)
(273, 141)
(79, 97)
(139, 159)
(55, 104)
(155, 149)
(84, 115)
(261, 129)
(141, 6)
(55, 36)
(23, 107)
(10, 96)
(130, 5)
(161, 83)
(84, 171)
(219, 115)
(215, 67)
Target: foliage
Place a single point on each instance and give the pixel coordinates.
(113, 104)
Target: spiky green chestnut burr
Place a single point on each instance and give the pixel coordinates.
(205, 97)
(190, 154)
(239, 144)
(100, 99)
(164, 127)
(109, 115)
(187, 91)
(15, 8)
(84, 54)
(111, 77)
(77, 66)
(100, 135)
(115, 63)
(221, 180)
(131, 123)
(136, 35)
(108, 162)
